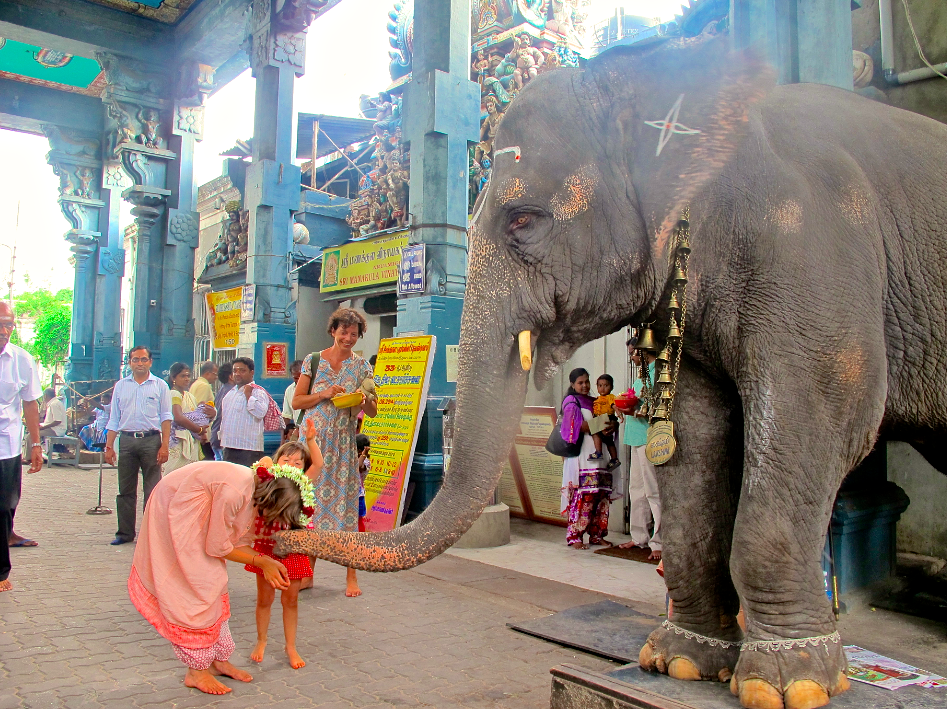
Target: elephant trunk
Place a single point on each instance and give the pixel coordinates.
(490, 394)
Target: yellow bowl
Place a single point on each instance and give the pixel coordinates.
(344, 401)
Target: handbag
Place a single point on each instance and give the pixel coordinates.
(557, 445)
(316, 357)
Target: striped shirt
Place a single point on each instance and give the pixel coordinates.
(140, 407)
(241, 419)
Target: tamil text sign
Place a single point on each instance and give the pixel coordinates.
(223, 315)
(402, 372)
(362, 264)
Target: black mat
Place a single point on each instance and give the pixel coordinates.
(716, 695)
(639, 554)
(606, 628)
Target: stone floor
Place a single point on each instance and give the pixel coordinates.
(434, 636)
(431, 637)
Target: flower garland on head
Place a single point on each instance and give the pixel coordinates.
(265, 470)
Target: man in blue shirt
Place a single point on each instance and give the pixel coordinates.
(141, 417)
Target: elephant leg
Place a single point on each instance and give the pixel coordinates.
(804, 433)
(698, 489)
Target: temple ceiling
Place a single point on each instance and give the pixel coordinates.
(36, 65)
(168, 11)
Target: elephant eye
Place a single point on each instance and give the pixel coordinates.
(521, 221)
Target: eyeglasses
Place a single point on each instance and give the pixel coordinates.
(139, 360)
(8, 326)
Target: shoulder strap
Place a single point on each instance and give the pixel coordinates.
(315, 358)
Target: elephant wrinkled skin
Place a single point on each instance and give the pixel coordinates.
(815, 326)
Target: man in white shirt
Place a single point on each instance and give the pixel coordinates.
(241, 416)
(289, 413)
(141, 414)
(19, 392)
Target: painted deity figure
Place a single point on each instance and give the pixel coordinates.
(397, 182)
(480, 66)
(489, 13)
(528, 60)
(150, 120)
(488, 129)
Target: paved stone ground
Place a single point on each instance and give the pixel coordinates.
(431, 637)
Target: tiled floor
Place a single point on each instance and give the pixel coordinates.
(540, 550)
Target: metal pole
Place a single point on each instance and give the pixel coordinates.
(100, 509)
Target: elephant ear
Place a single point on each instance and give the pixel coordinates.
(677, 114)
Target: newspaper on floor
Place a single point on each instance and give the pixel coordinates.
(880, 671)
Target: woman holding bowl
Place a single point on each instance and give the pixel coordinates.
(338, 371)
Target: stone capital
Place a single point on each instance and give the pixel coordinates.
(147, 166)
(76, 160)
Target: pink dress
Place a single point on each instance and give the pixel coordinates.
(195, 516)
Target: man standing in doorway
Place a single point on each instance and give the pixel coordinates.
(141, 417)
(19, 392)
(642, 479)
(289, 413)
(203, 393)
(242, 412)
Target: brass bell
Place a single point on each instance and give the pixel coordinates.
(646, 340)
(683, 244)
(666, 393)
(665, 376)
(674, 303)
(674, 332)
(682, 225)
(661, 412)
(678, 276)
(664, 356)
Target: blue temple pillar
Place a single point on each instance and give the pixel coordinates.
(278, 41)
(807, 41)
(111, 269)
(141, 119)
(75, 158)
(441, 119)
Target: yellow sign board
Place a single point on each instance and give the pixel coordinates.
(223, 315)
(402, 372)
(361, 264)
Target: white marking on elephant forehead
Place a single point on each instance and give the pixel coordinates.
(669, 126)
(575, 195)
(854, 205)
(515, 149)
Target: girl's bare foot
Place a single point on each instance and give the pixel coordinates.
(579, 545)
(5, 585)
(258, 650)
(225, 668)
(627, 545)
(655, 556)
(204, 681)
(351, 589)
(601, 543)
(295, 661)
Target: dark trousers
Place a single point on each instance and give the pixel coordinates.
(208, 450)
(241, 456)
(135, 454)
(11, 476)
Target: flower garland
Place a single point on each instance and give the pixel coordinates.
(306, 491)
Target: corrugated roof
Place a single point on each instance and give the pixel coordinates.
(342, 131)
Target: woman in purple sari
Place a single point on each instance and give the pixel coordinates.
(586, 486)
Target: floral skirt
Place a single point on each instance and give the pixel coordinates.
(588, 508)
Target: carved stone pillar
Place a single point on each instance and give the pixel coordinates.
(277, 57)
(75, 158)
(140, 122)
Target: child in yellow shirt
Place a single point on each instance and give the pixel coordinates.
(604, 405)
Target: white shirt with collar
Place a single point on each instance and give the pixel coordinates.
(55, 411)
(241, 419)
(140, 407)
(19, 382)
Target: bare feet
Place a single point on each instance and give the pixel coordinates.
(204, 681)
(579, 545)
(295, 661)
(655, 555)
(258, 650)
(5, 585)
(601, 543)
(225, 668)
(351, 589)
(306, 583)
(627, 545)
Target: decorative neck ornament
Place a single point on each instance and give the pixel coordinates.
(659, 397)
(269, 471)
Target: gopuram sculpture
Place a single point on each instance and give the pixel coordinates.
(233, 241)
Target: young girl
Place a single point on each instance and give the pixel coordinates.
(291, 459)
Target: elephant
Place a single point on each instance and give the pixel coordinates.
(816, 327)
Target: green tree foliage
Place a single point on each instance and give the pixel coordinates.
(52, 314)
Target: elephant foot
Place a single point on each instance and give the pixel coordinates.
(794, 677)
(687, 655)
